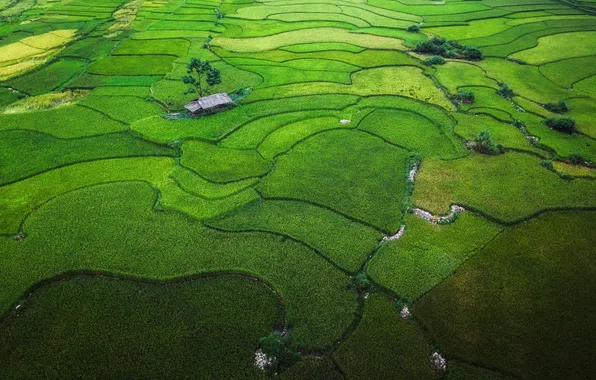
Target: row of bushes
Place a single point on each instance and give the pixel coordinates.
(448, 49)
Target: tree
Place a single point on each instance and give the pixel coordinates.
(279, 349)
(197, 71)
(565, 125)
(413, 28)
(505, 91)
(560, 107)
(463, 97)
(434, 60)
(483, 143)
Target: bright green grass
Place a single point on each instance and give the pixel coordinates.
(508, 187)
(587, 86)
(63, 122)
(133, 65)
(92, 81)
(323, 46)
(525, 80)
(126, 109)
(384, 346)
(283, 139)
(409, 130)
(535, 278)
(348, 171)
(345, 242)
(403, 81)
(583, 111)
(222, 164)
(469, 126)
(177, 47)
(216, 126)
(293, 17)
(251, 135)
(91, 48)
(275, 41)
(569, 71)
(474, 29)
(366, 59)
(453, 75)
(427, 254)
(20, 198)
(114, 329)
(123, 235)
(559, 46)
(48, 78)
(25, 153)
(194, 184)
(278, 76)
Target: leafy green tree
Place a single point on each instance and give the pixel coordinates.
(484, 143)
(463, 97)
(434, 60)
(565, 125)
(201, 75)
(278, 348)
(413, 28)
(560, 107)
(505, 91)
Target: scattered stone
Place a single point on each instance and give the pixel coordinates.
(438, 362)
(455, 210)
(19, 237)
(412, 173)
(345, 121)
(405, 312)
(397, 235)
(262, 361)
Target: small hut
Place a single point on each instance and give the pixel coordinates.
(208, 103)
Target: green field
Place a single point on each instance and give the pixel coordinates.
(401, 189)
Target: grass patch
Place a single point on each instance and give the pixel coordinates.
(384, 344)
(205, 327)
(318, 305)
(352, 172)
(518, 277)
(509, 187)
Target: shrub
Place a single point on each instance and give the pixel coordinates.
(484, 143)
(576, 159)
(278, 348)
(434, 60)
(565, 125)
(413, 28)
(505, 91)
(463, 97)
(448, 49)
(360, 282)
(560, 107)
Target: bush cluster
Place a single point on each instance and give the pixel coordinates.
(565, 125)
(434, 60)
(279, 348)
(560, 107)
(463, 97)
(448, 49)
(505, 91)
(413, 28)
(484, 143)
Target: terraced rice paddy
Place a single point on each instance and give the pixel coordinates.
(345, 201)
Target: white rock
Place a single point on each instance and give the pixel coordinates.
(345, 121)
(262, 361)
(438, 362)
(405, 312)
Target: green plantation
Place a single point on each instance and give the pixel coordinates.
(389, 189)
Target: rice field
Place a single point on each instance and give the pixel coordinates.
(401, 189)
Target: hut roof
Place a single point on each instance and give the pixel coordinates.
(208, 102)
(214, 100)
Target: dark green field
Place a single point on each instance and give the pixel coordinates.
(401, 189)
